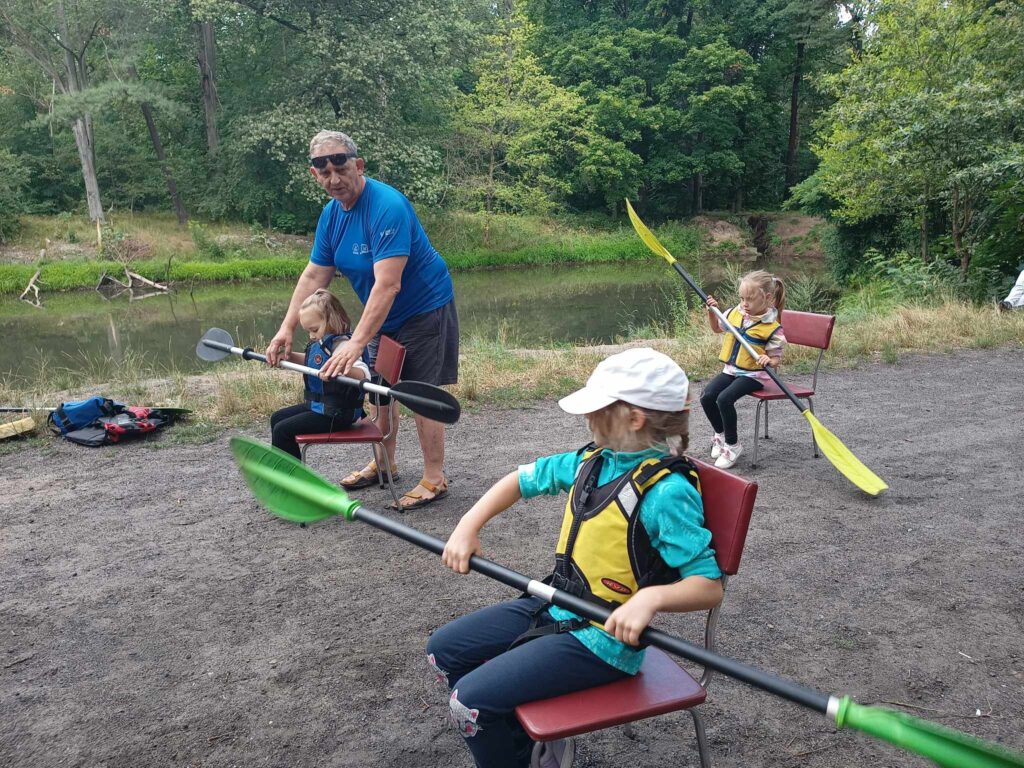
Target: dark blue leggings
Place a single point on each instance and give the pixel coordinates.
(487, 681)
(719, 401)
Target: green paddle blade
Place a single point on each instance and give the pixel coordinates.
(286, 486)
(843, 459)
(944, 746)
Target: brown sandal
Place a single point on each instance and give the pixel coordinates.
(365, 477)
(418, 499)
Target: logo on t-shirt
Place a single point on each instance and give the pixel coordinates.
(359, 248)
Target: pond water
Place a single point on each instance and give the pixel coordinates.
(528, 307)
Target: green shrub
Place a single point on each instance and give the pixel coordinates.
(14, 178)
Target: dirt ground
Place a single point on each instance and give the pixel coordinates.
(153, 615)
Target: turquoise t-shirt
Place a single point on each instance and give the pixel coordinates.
(382, 225)
(671, 512)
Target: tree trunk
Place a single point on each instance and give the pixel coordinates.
(85, 155)
(158, 147)
(698, 193)
(924, 234)
(794, 122)
(208, 78)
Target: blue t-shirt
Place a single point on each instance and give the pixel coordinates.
(381, 225)
(671, 511)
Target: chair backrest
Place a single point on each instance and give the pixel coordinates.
(808, 329)
(390, 359)
(728, 503)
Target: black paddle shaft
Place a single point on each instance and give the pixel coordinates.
(424, 399)
(796, 693)
(721, 318)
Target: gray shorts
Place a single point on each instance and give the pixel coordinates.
(431, 342)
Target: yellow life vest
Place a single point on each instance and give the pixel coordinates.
(604, 553)
(757, 334)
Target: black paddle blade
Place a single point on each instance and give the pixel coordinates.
(210, 354)
(427, 400)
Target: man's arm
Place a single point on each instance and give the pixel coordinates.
(312, 277)
(387, 282)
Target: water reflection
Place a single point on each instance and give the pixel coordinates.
(529, 307)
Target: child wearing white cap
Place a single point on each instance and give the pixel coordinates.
(632, 539)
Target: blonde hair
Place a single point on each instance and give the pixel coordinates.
(770, 285)
(326, 303)
(667, 430)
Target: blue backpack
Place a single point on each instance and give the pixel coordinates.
(77, 414)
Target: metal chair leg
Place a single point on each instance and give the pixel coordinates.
(702, 741)
(814, 442)
(765, 402)
(757, 430)
(391, 479)
(302, 452)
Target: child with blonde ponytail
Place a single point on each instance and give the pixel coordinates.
(757, 317)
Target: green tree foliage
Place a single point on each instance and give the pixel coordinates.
(926, 122)
(518, 134)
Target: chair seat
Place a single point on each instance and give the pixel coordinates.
(771, 391)
(362, 431)
(660, 686)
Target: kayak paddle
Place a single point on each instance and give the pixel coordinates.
(167, 409)
(425, 399)
(840, 456)
(291, 490)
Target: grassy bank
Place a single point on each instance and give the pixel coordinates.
(497, 372)
(157, 248)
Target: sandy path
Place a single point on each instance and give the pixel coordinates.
(152, 615)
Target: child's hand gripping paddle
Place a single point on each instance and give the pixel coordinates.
(840, 456)
(289, 489)
(424, 399)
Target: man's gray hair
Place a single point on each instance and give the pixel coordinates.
(332, 137)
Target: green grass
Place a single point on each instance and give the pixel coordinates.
(161, 250)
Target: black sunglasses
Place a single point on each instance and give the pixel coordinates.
(338, 159)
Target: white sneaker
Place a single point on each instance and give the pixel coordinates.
(717, 443)
(554, 754)
(729, 455)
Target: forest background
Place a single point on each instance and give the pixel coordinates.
(898, 121)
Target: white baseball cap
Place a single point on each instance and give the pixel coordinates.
(640, 376)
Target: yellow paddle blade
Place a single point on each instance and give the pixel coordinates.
(647, 236)
(843, 460)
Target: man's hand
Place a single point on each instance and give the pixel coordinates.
(341, 360)
(630, 619)
(280, 347)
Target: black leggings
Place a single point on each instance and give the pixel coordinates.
(719, 401)
(294, 420)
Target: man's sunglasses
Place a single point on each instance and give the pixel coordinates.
(338, 159)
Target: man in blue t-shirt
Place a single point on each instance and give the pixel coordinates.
(370, 234)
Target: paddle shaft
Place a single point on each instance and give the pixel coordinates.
(366, 386)
(798, 694)
(739, 337)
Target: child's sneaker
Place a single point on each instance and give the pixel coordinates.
(717, 443)
(729, 455)
(554, 754)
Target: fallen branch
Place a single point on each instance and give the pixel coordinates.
(134, 277)
(32, 287)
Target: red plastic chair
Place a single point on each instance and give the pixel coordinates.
(661, 685)
(390, 359)
(808, 330)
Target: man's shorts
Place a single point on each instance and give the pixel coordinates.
(431, 342)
